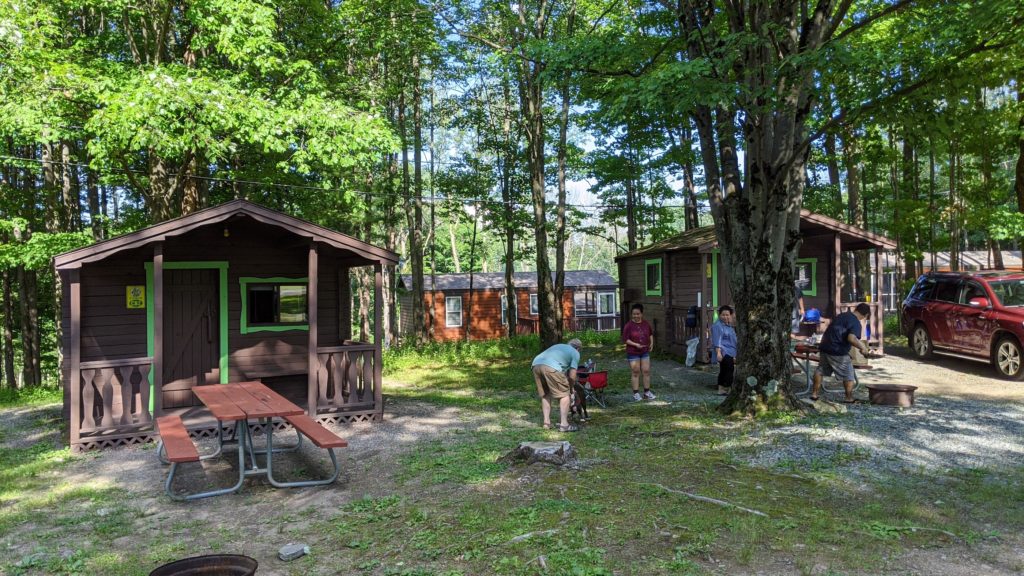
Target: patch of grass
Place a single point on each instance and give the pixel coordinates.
(35, 396)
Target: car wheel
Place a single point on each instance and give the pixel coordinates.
(1008, 359)
(921, 342)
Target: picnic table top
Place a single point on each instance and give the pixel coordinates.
(244, 400)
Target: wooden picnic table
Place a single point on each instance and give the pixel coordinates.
(252, 403)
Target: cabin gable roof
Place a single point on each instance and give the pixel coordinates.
(811, 225)
(214, 215)
(496, 280)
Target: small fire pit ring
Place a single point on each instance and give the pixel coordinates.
(891, 394)
(210, 565)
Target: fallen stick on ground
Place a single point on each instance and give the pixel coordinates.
(529, 535)
(709, 500)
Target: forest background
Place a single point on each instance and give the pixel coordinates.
(487, 136)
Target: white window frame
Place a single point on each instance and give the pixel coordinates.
(534, 305)
(447, 311)
(504, 310)
(601, 295)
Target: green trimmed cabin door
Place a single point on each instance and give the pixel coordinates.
(191, 334)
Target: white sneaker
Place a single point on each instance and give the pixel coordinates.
(648, 395)
(637, 397)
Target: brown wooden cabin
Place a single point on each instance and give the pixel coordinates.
(588, 302)
(672, 275)
(231, 293)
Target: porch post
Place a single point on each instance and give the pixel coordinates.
(878, 304)
(378, 340)
(702, 328)
(313, 361)
(158, 330)
(75, 361)
(837, 277)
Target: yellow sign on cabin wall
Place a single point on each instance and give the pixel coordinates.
(709, 270)
(135, 296)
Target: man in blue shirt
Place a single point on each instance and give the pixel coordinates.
(842, 334)
(723, 346)
(554, 371)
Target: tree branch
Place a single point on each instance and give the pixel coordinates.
(837, 18)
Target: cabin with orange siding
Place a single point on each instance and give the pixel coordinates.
(588, 302)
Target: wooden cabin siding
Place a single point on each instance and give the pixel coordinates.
(111, 331)
(822, 252)
(684, 275)
(634, 291)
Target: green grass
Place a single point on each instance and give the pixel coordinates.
(448, 507)
(11, 398)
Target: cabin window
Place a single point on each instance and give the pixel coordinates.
(652, 275)
(504, 310)
(534, 305)
(807, 275)
(606, 303)
(274, 304)
(453, 311)
(585, 303)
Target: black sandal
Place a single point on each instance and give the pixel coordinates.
(569, 428)
(814, 398)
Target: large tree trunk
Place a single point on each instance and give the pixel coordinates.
(30, 369)
(1018, 179)
(531, 101)
(417, 159)
(560, 231)
(8, 328)
(851, 161)
(71, 209)
(507, 170)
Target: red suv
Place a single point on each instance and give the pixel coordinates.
(978, 316)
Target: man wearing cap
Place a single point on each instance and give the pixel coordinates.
(554, 371)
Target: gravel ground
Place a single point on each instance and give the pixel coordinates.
(963, 417)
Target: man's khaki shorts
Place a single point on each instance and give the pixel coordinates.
(550, 381)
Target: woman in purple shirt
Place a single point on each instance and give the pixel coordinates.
(638, 336)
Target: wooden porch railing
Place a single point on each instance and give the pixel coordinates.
(572, 324)
(114, 394)
(346, 379)
(595, 323)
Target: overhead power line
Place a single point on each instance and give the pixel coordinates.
(13, 161)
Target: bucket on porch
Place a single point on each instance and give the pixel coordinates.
(891, 394)
(209, 565)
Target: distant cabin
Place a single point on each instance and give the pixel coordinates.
(588, 303)
(232, 293)
(681, 281)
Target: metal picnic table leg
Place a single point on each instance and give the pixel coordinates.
(301, 483)
(218, 492)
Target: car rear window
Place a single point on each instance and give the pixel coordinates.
(946, 290)
(1009, 292)
(923, 290)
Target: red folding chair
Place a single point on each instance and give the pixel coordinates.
(594, 384)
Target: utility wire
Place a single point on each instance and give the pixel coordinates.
(14, 162)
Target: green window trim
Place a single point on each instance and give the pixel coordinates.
(243, 317)
(222, 267)
(656, 290)
(811, 290)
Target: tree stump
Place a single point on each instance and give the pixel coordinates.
(556, 453)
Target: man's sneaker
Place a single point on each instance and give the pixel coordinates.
(637, 397)
(648, 395)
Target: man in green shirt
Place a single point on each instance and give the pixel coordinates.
(554, 371)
